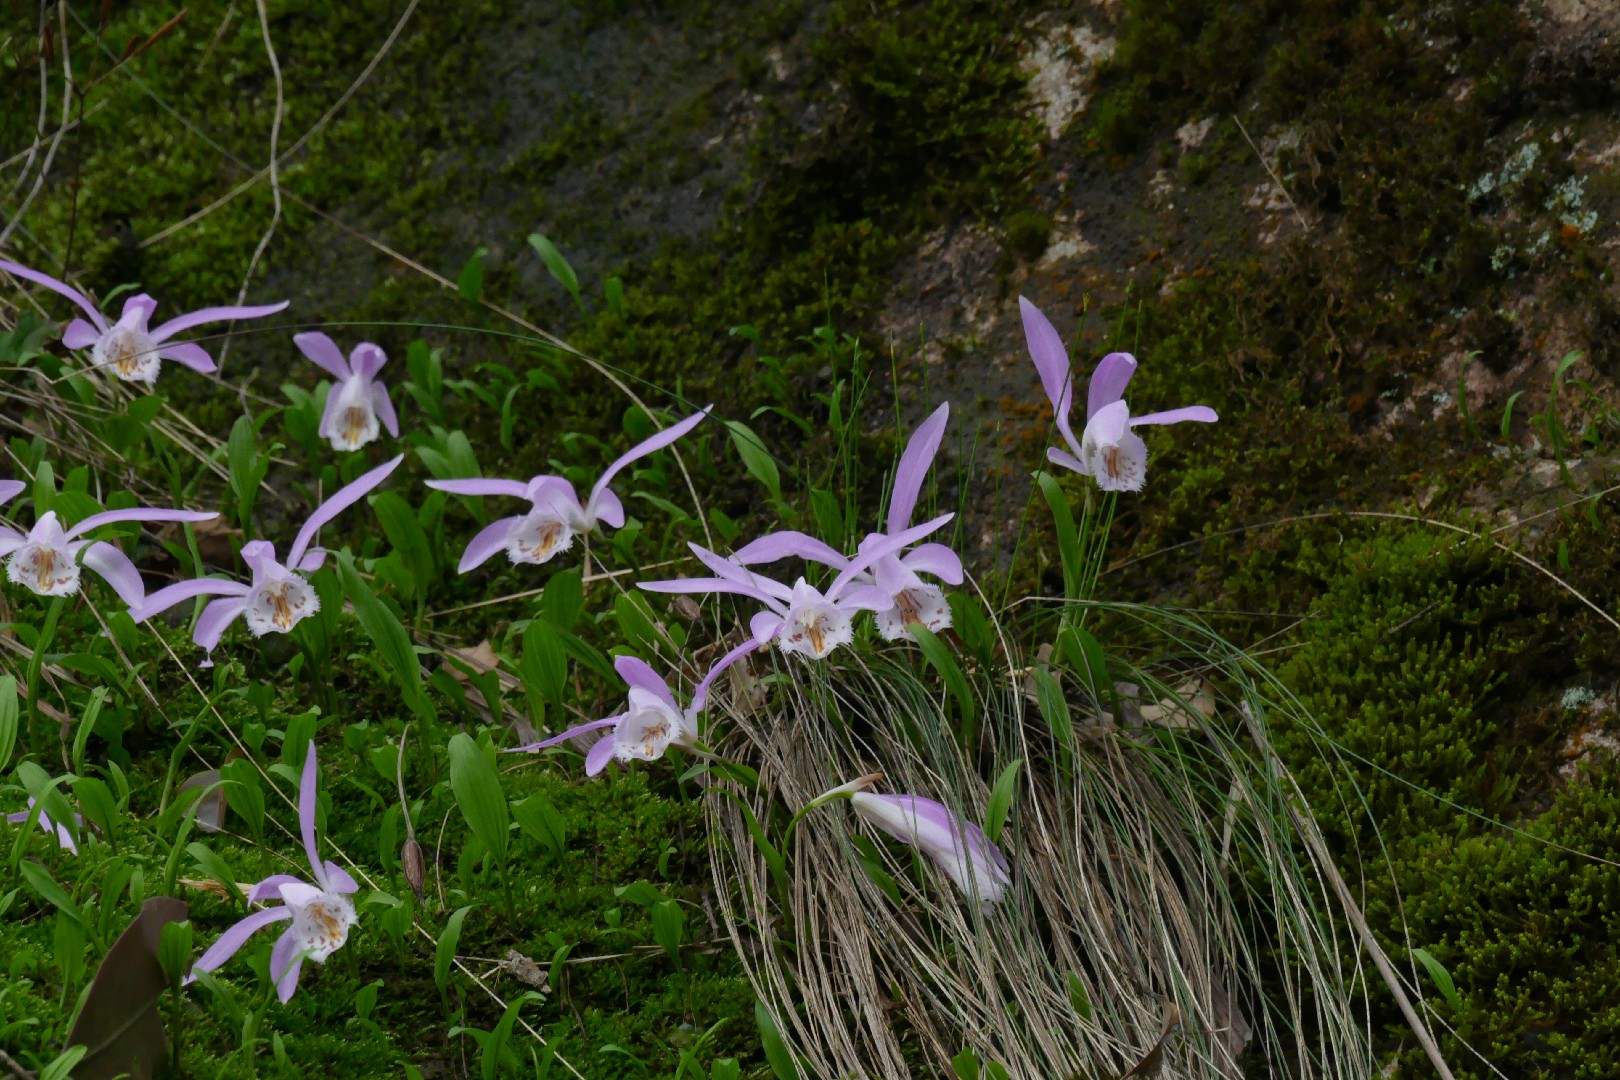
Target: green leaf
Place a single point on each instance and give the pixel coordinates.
(1068, 536)
(755, 458)
(87, 723)
(471, 282)
(10, 718)
(244, 794)
(669, 927)
(544, 664)
(940, 659)
(557, 265)
(213, 866)
(444, 953)
(1507, 413)
(537, 817)
(477, 788)
(405, 533)
(41, 881)
(966, 1065)
(388, 634)
(1441, 977)
(62, 1066)
(1078, 997)
(97, 803)
(1001, 798)
(1085, 657)
(776, 1051)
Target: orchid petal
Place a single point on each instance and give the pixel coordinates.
(283, 958)
(480, 485)
(866, 598)
(312, 561)
(1066, 459)
(116, 570)
(573, 732)
(321, 349)
(890, 545)
(341, 500)
(287, 985)
(936, 559)
(367, 359)
(1203, 414)
(700, 693)
(728, 569)
(710, 585)
(329, 414)
(641, 450)
(10, 489)
(490, 539)
(80, 335)
(235, 937)
(213, 314)
(189, 354)
(339, 880)
(1046, 349)
(299, 894)
(609, 510)
(913, 468)
(138, 513)
(137, 312)
(1108, 381)
(167, 597)
(60, 287)
(764, 626)
(959, 847)
(212, 623)
(306, 815)
(383, 406)
(789, 544)
(638, 673)
(269, 888)
(598, 756)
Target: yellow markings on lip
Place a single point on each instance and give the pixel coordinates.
(547, 539)
(281, 611)
(812, 630)
(910, 611)
(657, 731)
(354, 424)
(47, 563)
(1111, 461)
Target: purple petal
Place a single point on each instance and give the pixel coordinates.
(490, 539)
(338, 879)
(788, 544)
(1110, 424)
(165, 598)
(287, 985)
(700, 693)
(312, 561)
(306, 813)
(138, 513)
(935, 559)
(641, 450)
(269, 888)
(10, 489)
(913, 468)
(1108, 381)
(367, 359)
(598, 756)
(341, 500)
(80, 335)
(324, 352)
(764, 626)
(637, 672)
(116, 569)
(189, 354)
(56, 286)
(383, 406)
(1203, 414)
(1065, 459)
(479, 485)
(576, 730)
(1046, 349)
(866, 598)
(235, 937)
(709, 585)
(329, 414)
(213, 314)
(282, 957)
(730, 571)
(211, 624)
(137, 311)
(890, 545)
(609, 510)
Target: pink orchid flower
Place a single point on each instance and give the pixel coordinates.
(357, 404)
(129, 347)
(652, 722)
(556, 514)
(800, 618)
(47, 559)
(280, 596)
(321, 913)
(912, 600)
(64, 839)
(1108, 450)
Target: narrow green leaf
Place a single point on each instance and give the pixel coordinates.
(471, 282)
(1068, 536)
(755, 458)
(776, 1051)
(563, 600)
(477, 788)
(10, 718)
(87, 723)
(557, 265)
(669, 927)
(1078, 997)
(537, 817)
(1441, 977)
(388, 634)
(444, 953)
(41, 881)
(1507, 412)
(940, 659)
(1001, 799)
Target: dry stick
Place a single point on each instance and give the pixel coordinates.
(314, 130)
(606, 575)
(15, 1066)
(1271, 173)
(56, 140)
(275, 176)
(44, 110)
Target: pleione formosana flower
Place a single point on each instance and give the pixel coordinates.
(555, 515)
(799, 618)
(321, 914)
(912, 600)
(130, 348)
(957, 846)
(357, 405)
(47, 559)
(280, 595)
(652, 722)
(1108, 450)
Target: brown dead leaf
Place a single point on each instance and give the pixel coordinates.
(211, 810)
(120, 1021)
(480, 658)
(525, 971)
(1194, 700)
(1154, 1060)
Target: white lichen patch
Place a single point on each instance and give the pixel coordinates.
(1192, 134)
(1065, 246)
(1060, 64)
